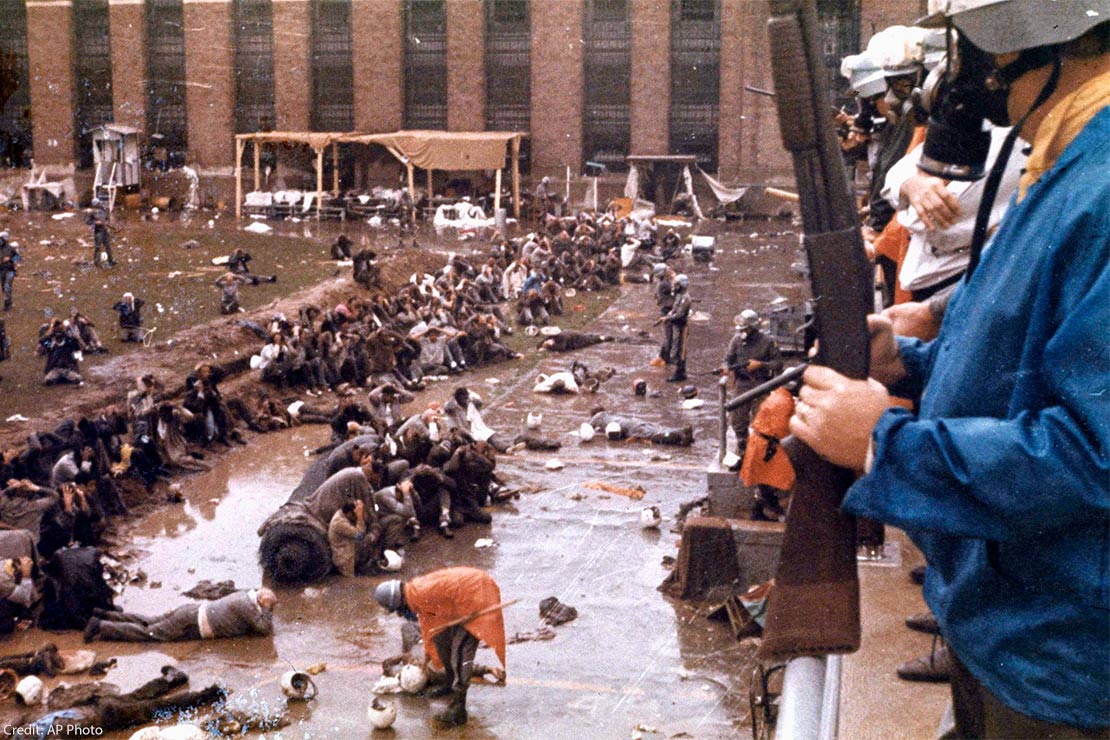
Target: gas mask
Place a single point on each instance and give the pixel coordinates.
(971, 92)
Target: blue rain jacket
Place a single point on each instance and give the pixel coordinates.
(1001, 478)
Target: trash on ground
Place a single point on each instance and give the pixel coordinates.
(536, 635)
(635, 492)
(258, 228)
(692, 403)
(651, 517)
(210, 591)
(484, 542)
(555, 612)
(554, 464)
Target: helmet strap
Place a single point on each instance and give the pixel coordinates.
(994, 180)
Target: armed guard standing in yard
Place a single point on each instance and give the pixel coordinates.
(676, 322)
(752, 358)
(664, 298)
(102, 238)
(9, 258)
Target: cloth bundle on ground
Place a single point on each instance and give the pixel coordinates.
(74, 588)
(560, 382)
(555, 612)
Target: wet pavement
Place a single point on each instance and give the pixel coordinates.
(632, 658)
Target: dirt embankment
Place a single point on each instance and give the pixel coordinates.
(221, 342)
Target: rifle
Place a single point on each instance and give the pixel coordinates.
(814, 607)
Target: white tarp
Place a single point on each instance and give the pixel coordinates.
(724, 194)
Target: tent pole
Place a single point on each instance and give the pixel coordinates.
(238, 178)
(430, 193)
(516, 178)
(497, 192)
(412, 182)
(257, 165)
(335, 169)
(319, 181)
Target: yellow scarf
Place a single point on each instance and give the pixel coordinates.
(1060, 127)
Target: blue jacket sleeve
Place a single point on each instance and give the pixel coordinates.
(917, 356)
(1004, 479)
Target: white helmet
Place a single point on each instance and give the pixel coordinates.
(864, 74)
(613, 430)
(393, 561)
(1005, 26)
(295, 685)
(586, 432)
(28, 692)
(413, 678)
(535, 419)
(650, 517)
(682, 280)
(381, 716)
(747, 319)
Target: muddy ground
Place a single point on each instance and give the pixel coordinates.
(632, 658)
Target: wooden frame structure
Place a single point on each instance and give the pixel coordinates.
(430, 150)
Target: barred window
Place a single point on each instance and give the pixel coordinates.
(15, 98)
(254, 66)
(92, 68)
(607, 111)
(167, 124)
(425, 60)
(695, 79)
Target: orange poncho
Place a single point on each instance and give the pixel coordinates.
(773, 420)
(445, 595)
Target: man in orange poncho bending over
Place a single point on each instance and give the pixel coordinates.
(440, 598)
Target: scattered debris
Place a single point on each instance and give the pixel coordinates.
(381, 716)
(554, 464)
(17, 417)
(555, 612)
(635, 492)
(210, 591)
(484, 542)
(536, 635)
(258, 228)
(692, 403)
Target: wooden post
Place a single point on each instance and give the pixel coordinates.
(412, 181)
(238, 178)
(430, 193)
(257, 165)
(516, 178)
(335, 169)
(319, 181)
(497, 193)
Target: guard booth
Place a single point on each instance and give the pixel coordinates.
(664, 180)
(115, 160)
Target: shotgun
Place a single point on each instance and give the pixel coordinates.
(814, 607)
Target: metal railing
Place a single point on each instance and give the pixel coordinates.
(810, 702)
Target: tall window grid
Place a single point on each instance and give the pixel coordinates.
(166, 121)
(92, 74)
(333, 107)
(254, 66)
(838, 26)
(695, 79)
(425, 64)
(15, 96)
(509, 69)
(606, 110)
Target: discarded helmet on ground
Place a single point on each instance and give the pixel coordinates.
(413, 678)
(388, 595)
(28, 692)
(381, 716)
(650, 517)
(393, 561)
(296, 685)
(613, 430)
(639, 387)
(688, 391)
(535, 419)
(586, 432)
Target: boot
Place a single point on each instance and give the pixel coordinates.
(455, 713)
(923, 622)
(679, 373)
(936, 667)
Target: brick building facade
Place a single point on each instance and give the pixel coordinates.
(590, 80)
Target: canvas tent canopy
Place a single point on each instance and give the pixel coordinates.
(429, 150)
